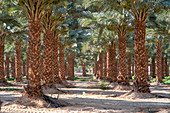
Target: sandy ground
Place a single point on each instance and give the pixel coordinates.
(83, 99)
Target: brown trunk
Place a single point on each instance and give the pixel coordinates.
(61, 63)
(66, 70)
(27, 64)
(55, 61)
(121, 79)
(70, 67)
(153, 67)
(23, 68)
(7, 67)
(140, 82)
(163, 67)
(129, 67)
(13, 67)
(34, 85)
(83, 69)
(146, 72)
(166, 67)
(105, 65)
(48, 57)
(18, 61)
(2, 45)
(101, 66)
(159, 62)
(117, 70)
(112, 64)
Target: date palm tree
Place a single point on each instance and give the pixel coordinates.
(121, 28)
(34, 10)
(12, 66)
(8, 20)
(7, 67)
(160, 34)
(50, 21)
(18, 60)
(140, 10)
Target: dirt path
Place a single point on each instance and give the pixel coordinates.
(83, 99)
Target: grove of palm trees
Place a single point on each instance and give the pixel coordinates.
(84, 56)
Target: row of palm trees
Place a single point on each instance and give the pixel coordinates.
(151, 67)
(140, 11)
(43, 19)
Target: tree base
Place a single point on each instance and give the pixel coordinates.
(70, 78)
(67, 84)
(34, 97)
(141, 87)
(132, 94)
(52, 89)
(40, 102)
(110, 80)
(122, 87)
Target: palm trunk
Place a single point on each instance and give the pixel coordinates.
(153, 67)
(140, 82)
(117, 69)
(7, 67)
(13, 67)
(23, 68)
(55, 61)
(112, 64)
(83, 69)
(2, 45)
(18, 61)
(48, 57)
(129, 67)
(101, 66)
(27, 64)
(105, 65)
(66, 70)
(121, 79)
(163, 67)
(146, 72)
(61, 63)
(159, 62)
(166, 67)
(70, 67)
(34, 84)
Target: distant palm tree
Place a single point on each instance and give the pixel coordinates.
(8, 20)
(18, 60)
(83, 68)
(62, 63)
(7, 67)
